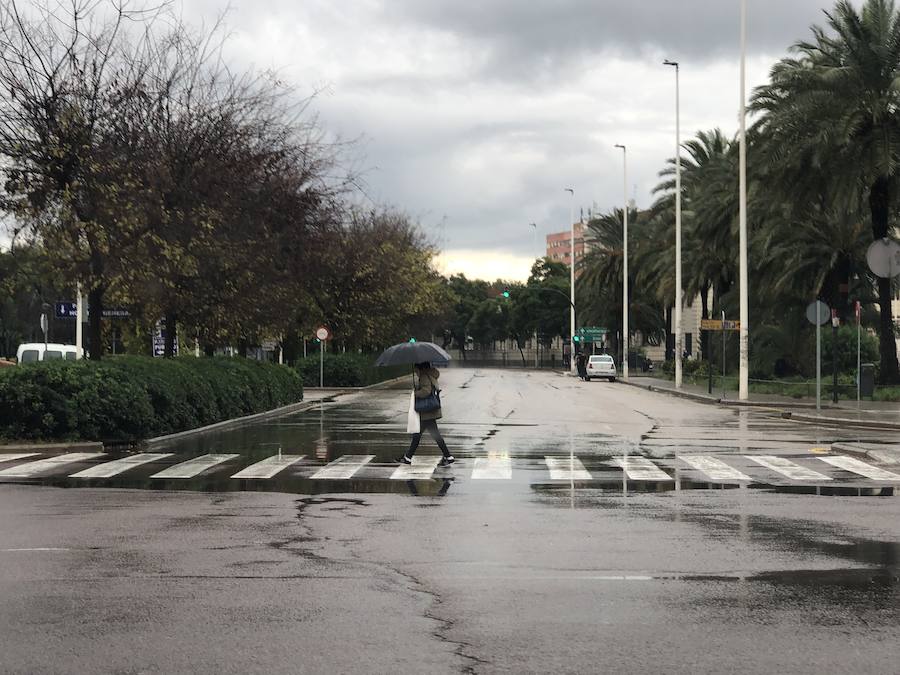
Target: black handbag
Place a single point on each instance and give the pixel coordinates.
(429, 403)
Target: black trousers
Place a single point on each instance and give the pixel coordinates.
(431, 427)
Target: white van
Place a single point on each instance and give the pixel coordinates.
(35, 351)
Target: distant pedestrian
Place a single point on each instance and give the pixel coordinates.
(581, 365)
(426, 379)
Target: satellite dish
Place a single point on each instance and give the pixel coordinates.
(883, 257)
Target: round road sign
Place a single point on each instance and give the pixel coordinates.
(818, 313)
(883, 257)
(323, 333)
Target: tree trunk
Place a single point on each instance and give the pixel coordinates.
(879, 204)
(171, 331)
(95, 322)
(704, 307)
(670, 352)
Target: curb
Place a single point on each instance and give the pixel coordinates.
(771, 405)
(276, 412)
(237, 421)
(88, 446)
(840, 421)
(885, 456)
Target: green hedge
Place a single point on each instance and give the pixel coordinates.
(346, 370)
(127, 398)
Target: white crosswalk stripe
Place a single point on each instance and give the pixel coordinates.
(117, 466)
(193, 467)
(269, 467)
(787, 468)
(496, 466)
(566, 468)
(343, 467)
(17, 455)
(713, 467)
(33, 468)
(856, 466)
(420, 469)
(640, 468)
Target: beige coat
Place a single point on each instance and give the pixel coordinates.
(425, 381)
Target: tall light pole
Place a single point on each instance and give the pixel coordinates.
(572, 283)
(744, 369)
(679, 338)
(537, 362)
(625, 336)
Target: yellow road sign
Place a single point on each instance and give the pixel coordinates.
(716, 324)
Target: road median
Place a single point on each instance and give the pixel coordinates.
(787, 409)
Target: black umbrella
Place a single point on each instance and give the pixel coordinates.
(407, 353)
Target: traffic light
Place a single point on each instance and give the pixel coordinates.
(412, 339)
(576, 339)
(505, 292)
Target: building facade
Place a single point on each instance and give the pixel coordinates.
(559, 245)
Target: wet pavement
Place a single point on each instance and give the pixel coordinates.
(565, 433)
(587, 527)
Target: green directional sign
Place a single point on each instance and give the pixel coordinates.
(592, 334)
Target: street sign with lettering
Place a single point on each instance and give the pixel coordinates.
(718, 324)
(66, 310)
(592, 334)
(69, 310)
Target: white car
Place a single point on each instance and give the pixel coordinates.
(601, 365)
(35, 351)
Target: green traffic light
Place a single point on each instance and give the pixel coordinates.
(505, 294)
(412, 339)
(576, 339)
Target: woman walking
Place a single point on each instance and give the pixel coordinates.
(426, 379)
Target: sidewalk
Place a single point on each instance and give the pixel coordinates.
(871, 414)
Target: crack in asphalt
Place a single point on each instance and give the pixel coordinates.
(389, 573)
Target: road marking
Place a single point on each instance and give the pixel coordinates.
(714, 468)
(566, 468)
(856, 466)
(343, 467)
(192, 467)
(45, 548)
(787, 468)
(117, 466)
(31, 468)
(496, 466)
(269, 466)
(640, 468)
(20, 455)
(420, 469)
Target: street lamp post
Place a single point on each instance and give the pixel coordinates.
(572, 283)
(537, 362)
(678, 328)
(625, 335)
(744, 371)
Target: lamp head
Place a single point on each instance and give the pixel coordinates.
(619, 145)
(670, 63)
(570, 190)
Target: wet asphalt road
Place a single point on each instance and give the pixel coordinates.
(454, 574)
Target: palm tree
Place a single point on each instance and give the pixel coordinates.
(709, 215)
(600, 281)
(830, 124)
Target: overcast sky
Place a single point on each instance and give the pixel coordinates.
(474, 115)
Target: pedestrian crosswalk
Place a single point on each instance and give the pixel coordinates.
(493, 466)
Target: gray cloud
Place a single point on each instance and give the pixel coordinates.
(518, 39)
(475, 114)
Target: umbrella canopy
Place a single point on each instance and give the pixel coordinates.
(413, 352)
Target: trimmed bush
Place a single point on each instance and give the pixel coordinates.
(127, 398)
(346, 370)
